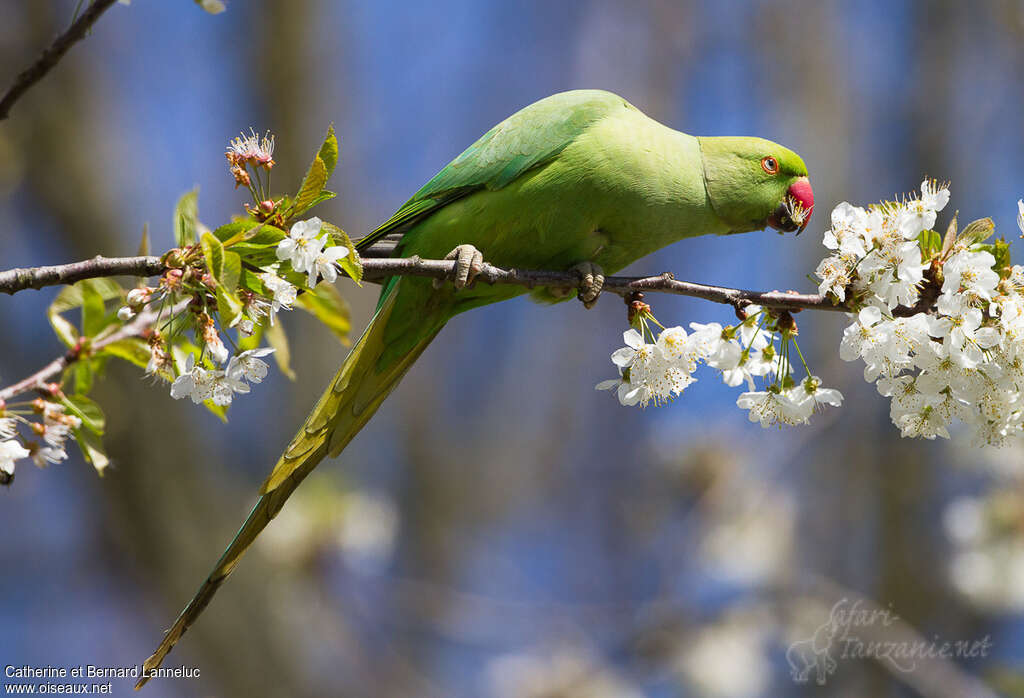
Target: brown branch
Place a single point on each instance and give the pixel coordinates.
(15, 280)
(377, 269)
(52, 55)
(136, 328)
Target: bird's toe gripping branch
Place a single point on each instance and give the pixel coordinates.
(469, 261)
(591, 282)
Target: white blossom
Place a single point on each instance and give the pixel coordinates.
(302, 245)
(45, 455)
(324, 262)
(247, 365)
(771, 408)
(10, 452)
(8, 427)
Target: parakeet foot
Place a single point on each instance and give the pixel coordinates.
(468, 263)
(591, 282)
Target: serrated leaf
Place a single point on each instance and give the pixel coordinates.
(186, 216)
(312, 185)
(220, 411)
(977, 231)
(71, 296)
(84, 376)
(86, 410)
(92, 449)
(232, 270)
(351, 264)
(327, 304)
(229, 307)
(329, 150)
(278, 340)
(213, 253)
(93, 309)
(929, 241)
(321, 197)
(65, 331)
(132, 350)
(228, 231)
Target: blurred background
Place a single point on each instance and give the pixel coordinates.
(500, 529)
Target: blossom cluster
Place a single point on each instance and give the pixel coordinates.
(193, 379)
(45, 419)
(220, 385)
(940, 326)
(657, 369)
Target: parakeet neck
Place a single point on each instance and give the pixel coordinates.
(655, 177)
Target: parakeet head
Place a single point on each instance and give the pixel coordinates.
(753, 183)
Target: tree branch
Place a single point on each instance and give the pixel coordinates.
(376, 269)
(15, 280)
(52, 55)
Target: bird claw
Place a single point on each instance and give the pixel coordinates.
(591, 282)
(469, 262)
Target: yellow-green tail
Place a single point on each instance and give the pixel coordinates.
(348, 403)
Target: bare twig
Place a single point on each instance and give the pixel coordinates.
(15, 280)
(52, 55)
(379, 268)
(136, 328)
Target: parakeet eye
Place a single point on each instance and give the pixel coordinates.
(770, 165)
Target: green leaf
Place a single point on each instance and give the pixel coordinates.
(84, 376)
(250, 233)
(228, 231)
(278, 340)
(229, 307)
(321, 197)
(92, 449)
(329, 150)
(86, 410)
(213, 252)
(312, 185)
(930, 242)
(232, 270)
(977, 231)
(327, 304)
(220, 411)
(65, 331)
(350, 264)
(186, 217)
(94, 310)
(133, 350)
(71, 296)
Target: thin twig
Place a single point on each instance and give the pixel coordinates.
(52, 55)
(136, 328)
(376, 269)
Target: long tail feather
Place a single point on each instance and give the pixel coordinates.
(348, 403)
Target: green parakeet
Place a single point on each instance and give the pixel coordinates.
(578, 177)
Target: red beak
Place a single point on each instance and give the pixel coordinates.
(802, 192)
